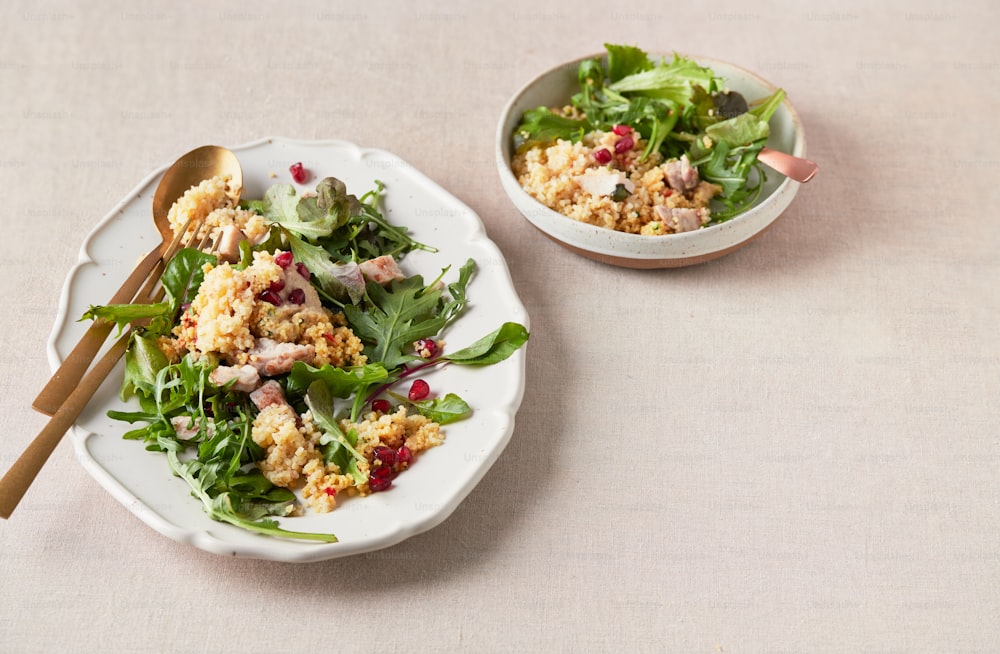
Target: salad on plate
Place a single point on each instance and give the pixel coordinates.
(283, 372)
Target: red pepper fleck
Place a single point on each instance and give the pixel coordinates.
(331, 491)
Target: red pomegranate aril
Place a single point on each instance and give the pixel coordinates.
(378, 485)
(301, 267)
(385, 455)
(297, 296)
(272, 297)
(426, 347)
(331, 491)
(379, 479)
(603, 156)
(298, 172)
(624, 144)
(622, 130)
(404, 456)
(419, 390)
(283, 259)
(381, 405)
(277, 286)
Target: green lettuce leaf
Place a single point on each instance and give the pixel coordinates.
(625, 60)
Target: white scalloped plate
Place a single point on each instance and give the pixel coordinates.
(439, 480)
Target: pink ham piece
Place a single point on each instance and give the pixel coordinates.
(247, 378)
(681, 219)
(272, 358)
(680, 174)
(381, 270)
(270, 394)
(187, 427)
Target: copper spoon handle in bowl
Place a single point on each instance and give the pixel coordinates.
(797, 168)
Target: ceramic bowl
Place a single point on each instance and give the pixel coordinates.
(554, 88)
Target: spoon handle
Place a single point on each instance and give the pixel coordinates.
(18, 478)
(69, 374)
(797, 168)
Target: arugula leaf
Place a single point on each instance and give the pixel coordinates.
(442, 410)
(123, 315)
(339, 446)
(229, 507)
(340, 382)
(181, 278)
(217, 453)
(769, 105)
(396, 316)
(492, 348)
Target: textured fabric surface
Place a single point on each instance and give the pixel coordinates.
(791, 449)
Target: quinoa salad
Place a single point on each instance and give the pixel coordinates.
(604, 180)
(281, 373)
(645, 147)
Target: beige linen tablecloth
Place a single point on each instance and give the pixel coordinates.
(791, 449)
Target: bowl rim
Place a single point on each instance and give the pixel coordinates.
(782, 193)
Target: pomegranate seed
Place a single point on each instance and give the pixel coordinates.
(329, 490)
(603, 155)
(624, 144)
(277, 286)
(283, 259)
(298, 172)
(622, 130)
(272, 297)
(426, 347)
(419, 390)
(298, 296)
(385, 455)
(381, 405)
(380, 479)
(301, 267)
(404, 456)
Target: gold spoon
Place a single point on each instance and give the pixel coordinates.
(797, 168)
(189, 170)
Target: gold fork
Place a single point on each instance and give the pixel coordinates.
(19, 477)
